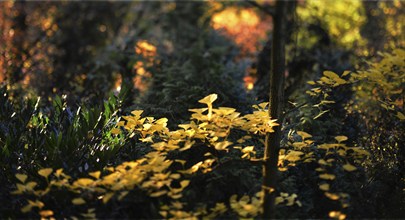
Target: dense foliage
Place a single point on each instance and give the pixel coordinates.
(158, 110)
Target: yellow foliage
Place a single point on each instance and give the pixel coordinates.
(45, 172)
(78, 201)
(154, 175)
(327, 176)
(324, 187)
(46, 213)
(349, 167)
(21, 177)
(342, 19)
(337, 215)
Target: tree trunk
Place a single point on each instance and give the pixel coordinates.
(272, 146)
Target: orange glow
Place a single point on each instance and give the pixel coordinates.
(249, 82)
(243, 26)
(117, 84)
(246, 29)
(147, 51)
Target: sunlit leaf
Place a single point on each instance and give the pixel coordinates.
(294, 156)
(304, 135)
(46, 213)
(279, 200)
(209, 99)
(21, 177)
(349, 167)
(30, 185)
(345, 73)
(331, 74)
(327, 176)
(324, 187)
(332, 196)
(222, 145)
(340, 138)
(196, 167)
(83, 182)
(322, 162)
(26, 208)
(36, 203)
(115, 131)
(159, 193)
(107, 197)
(184, 183)
(58, 172)
(320, 114)
(137, 113)
(78, 201)
(45, 172)
(337, 215)
(400, 116)
(95, 174)
(263, 105)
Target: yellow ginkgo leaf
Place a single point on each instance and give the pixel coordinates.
(30, 185)
(116, 131)
(78, 201)
(345, 73)
(137, 113)
(327, 176)
(21, 177)
(222, 145)
(46, 213)
(83, 182)
(107, 197)
(322, 162)
(45, 172)
(400, 116)
(340, 138)
(263, 105)
(122, 195)
(26, 208)
(159, 193)
(36, 203)
(120, 123)
(331, 75)
(337, 215)
(294, 156)
(304, 135)
(209, 99)
(196, 167)
(184, 183)
(58, 172)
(332, 196)
(96, 174)
(324, 187)
(279, 200)
(349, 167)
